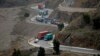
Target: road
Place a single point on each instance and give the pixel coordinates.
(49, 45)
(33, 19)
(80, 50)
(72, 9)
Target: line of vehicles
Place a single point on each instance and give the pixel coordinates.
(43, 15)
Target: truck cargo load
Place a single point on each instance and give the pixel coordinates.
(42, 34)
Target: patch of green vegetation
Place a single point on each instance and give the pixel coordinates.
(96, 23)
(86, 18)
(85, 30)
(23, 14)
(23, 52)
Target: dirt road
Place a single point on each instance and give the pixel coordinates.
(72, 9)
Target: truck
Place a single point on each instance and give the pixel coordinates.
(45, 35)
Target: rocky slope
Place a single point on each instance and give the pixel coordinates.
(84, 29)
(14, 3)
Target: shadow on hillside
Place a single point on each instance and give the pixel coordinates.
(8, 4)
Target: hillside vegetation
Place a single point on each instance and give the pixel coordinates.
(85, 31)
(14, 3)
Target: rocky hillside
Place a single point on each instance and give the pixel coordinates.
(13, 3)
(84, 30)
(91, 3)
(85, 3)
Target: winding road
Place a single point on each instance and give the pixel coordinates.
(72, 9)
(49, 45)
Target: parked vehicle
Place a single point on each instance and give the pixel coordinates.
(41, 6)
(45, 35)
(54, 22)
(39, 18)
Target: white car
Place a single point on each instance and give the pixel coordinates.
(39, 18)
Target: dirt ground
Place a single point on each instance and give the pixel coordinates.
(15, 33)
